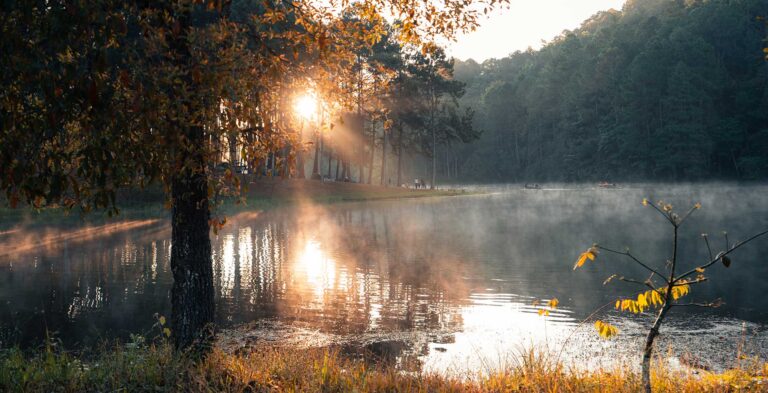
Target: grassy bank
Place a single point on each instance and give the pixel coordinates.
(156, 368)
(264, 194)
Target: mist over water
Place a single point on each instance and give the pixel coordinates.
(449, 283)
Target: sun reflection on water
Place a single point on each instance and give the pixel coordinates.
(318, 268)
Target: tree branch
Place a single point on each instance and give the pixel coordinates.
(646, 283)
(719, 256)
(627, 254)
(706, 240)
(665, 215)
(697, 281)
(715, 304)
(691, 210)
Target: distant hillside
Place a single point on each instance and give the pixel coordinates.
(662, 90)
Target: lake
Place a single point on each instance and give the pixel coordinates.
(440, 284)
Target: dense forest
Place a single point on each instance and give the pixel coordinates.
(661, 90)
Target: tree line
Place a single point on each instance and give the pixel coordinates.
(665, 90)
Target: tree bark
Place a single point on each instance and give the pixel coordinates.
(648, 350)
(338, 160)
(300, 164)
(383, 176)
(316, 163)
(434, 158)
(373, 151)
(400, 156)
(192, 305)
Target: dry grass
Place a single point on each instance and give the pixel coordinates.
(157, 368)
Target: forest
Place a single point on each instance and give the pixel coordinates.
(661, 90)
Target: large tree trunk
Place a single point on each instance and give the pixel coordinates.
(192, 306)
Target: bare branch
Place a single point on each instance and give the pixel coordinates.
(696, 281)
(691, 210)
(646, 283)
(665, 215)
(719, 256)
(693, 305)
(706, 240)
(627, 254)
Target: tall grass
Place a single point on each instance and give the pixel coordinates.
(157, 368)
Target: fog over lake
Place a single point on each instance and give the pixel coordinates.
(437, 281)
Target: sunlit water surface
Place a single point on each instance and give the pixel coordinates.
(439, 284)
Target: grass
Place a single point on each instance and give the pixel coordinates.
(140, 367)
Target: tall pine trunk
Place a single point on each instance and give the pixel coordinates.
(434, 158)
(383, 181)
(373, 150)
(316, 163)
(400, 156)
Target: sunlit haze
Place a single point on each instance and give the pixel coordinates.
(306, 105)
(525, 24)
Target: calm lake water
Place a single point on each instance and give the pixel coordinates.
(442, 284)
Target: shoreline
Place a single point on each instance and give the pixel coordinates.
(260, 196)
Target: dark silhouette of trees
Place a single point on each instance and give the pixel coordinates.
(662, 90)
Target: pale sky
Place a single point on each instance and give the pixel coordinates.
(526, 23)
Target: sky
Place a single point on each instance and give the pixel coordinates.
(525, 24)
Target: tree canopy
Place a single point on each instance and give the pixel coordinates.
(661, 90)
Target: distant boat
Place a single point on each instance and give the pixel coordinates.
(533, 186)
(605, 184)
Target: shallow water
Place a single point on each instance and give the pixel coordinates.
(442, 284)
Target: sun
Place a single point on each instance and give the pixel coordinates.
(306, 105)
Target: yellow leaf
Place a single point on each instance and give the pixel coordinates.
(167, 332)
(642, 301)
(553, 303)
(645, 201)
(543, 312)
(655, 298)
(700, 270)
(606, 330)
(580, 261)
(161, 320)
(589, 254)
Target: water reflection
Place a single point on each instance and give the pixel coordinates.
(454, 278)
